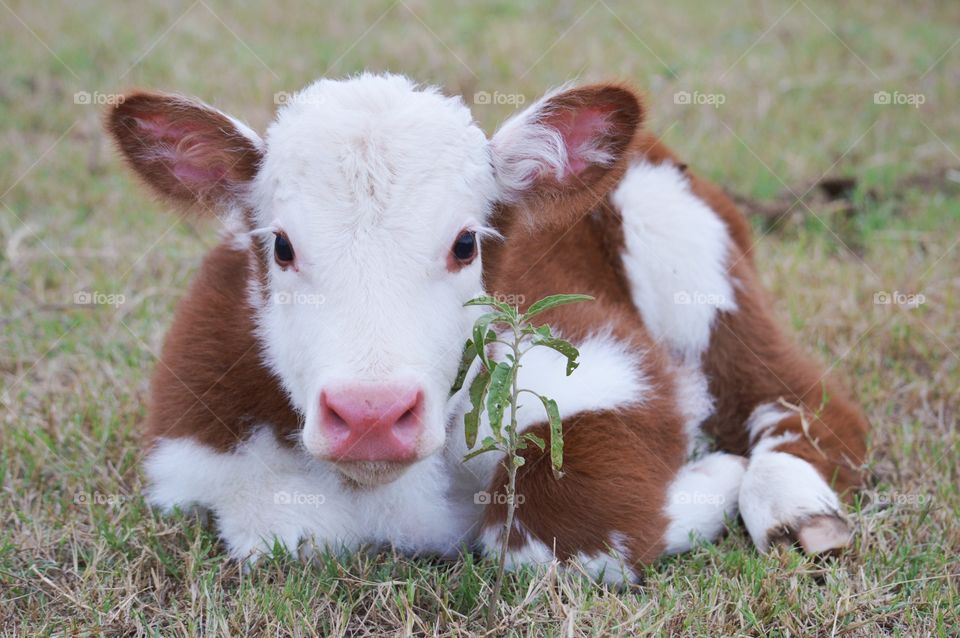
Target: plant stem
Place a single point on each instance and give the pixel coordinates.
(511, 468)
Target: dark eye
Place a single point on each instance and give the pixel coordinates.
(465, 248)
(283, 250)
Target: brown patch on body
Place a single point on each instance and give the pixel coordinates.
(211, 383)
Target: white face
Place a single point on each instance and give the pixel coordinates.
(377, 193)
(366, 200)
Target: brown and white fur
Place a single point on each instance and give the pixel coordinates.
(373, 180)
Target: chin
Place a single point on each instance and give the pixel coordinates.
(370, 474)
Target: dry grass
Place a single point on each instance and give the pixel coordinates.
(79, 551)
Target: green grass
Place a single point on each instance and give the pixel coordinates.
(81, 553)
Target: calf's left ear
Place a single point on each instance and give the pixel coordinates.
(566, 148)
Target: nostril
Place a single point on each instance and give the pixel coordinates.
(409, 420)
(330, 417)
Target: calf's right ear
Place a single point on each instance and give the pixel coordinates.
(186, 151)
(562, 154)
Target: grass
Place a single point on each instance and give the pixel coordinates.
(80, 553)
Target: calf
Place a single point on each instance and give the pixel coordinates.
(303, 392)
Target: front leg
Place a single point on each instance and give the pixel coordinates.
(625, 497)
(798, 466)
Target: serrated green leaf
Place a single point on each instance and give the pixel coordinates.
(466, 360)
(552, 302)
(565, 348)
(498, 393)
(471, 420)
(556, 431)
(536, 440)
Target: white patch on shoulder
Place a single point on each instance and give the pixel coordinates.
(263, 492)
(610, 376)
(675, 256)
(764, 417)
(701, 498)
(779, 491)
(612, 566)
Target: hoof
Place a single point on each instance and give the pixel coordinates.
(823, 534)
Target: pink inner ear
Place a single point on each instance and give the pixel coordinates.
(190, 154)
(195, 174)
(162, 129)
(583, 132)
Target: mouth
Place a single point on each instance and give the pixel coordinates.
(370, 474)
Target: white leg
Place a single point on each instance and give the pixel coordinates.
(263, 493)
(702, 497)
(784, 497)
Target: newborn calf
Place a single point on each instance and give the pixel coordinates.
(303, 393)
